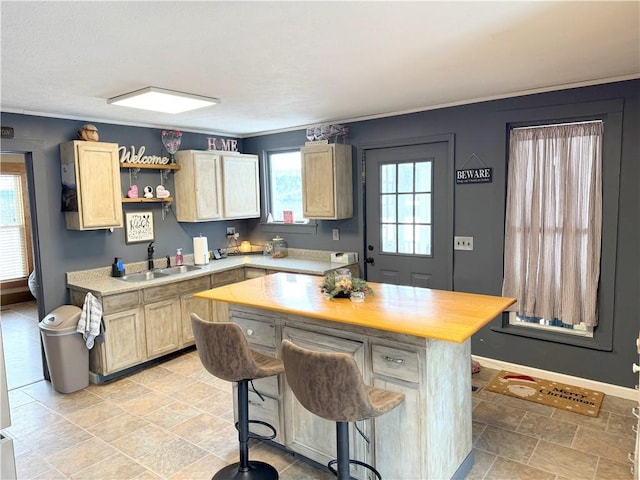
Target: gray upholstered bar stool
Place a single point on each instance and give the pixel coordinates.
(225, 353)
(330, 385)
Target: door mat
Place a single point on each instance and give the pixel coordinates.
(546, 392)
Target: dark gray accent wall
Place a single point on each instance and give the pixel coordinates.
(59, 250)
(481, 129)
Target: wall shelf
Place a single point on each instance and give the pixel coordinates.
(147, 200)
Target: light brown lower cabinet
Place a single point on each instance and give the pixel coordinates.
(124, 345)
(161, 327)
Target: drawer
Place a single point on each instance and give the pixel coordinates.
(121, 301)
(396, 363)
(174, 289)
(227, 277)
(252, 272)
(260, 333)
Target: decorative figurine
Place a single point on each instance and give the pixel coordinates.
(88, 133)
(148, 191)
(162, 192)
(133, 192)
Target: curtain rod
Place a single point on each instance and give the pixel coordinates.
(557, 124)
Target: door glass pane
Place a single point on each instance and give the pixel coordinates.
(388, 208)
(423, 208)
(388, 238)
(423, 176)
(423, 240)
(388, 179)
(405, 177)
(405, 208)
(405, 238)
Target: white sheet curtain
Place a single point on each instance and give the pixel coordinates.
(553, 221)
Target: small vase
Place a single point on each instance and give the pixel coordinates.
(357, 297)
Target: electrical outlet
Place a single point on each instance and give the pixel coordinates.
(336, 233)
(231, 231)
(463, 243)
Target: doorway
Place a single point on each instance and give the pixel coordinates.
(409, 213)
(19, 315)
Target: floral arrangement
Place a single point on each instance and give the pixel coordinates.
(339, 286)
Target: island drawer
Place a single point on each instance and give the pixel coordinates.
(257, 332)
(395, 362)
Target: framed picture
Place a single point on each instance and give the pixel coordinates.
(138, 227)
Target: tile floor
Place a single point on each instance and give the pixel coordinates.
(174, 421)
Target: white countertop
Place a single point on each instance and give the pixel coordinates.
(99, 281)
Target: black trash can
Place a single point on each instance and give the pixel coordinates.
(65, 350)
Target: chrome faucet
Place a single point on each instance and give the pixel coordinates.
(150, 251)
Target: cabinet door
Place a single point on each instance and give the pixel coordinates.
(327, 188)
(241, 186)
(318, 187)
(308, 434)
(123, 340)
(190, 304)
(95, 169)
(161, 327)
(198, 186)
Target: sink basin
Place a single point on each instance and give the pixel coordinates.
(143, 276)
(180, 269)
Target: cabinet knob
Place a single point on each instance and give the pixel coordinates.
(249, 332)
(636, 368)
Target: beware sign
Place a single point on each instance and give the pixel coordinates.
(474, 175)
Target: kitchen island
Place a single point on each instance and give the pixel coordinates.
(412, 340)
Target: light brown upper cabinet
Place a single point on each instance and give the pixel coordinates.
(214, 185)
(91, 174)
(327, 187)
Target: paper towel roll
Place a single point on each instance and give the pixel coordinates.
(200, 250)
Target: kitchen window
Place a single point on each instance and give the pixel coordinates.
(553, 226)
(285, 187)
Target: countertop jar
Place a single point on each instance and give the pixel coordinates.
(278, 247)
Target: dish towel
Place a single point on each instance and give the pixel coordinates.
(90, 319)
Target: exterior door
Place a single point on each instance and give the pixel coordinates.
(409, 215)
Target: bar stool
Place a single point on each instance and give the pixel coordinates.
(330, 386)
(225, 353)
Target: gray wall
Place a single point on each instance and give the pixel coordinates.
(479, 212)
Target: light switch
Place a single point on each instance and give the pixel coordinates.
(336, 233)
(463, 243)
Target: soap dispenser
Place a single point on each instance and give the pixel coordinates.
(179, 258)
(117, 268)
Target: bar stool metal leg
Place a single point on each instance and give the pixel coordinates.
(245, 469)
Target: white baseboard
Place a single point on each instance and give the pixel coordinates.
(606, 388)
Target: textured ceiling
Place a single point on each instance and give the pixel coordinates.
(281, 65)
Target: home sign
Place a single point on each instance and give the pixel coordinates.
(227, 145)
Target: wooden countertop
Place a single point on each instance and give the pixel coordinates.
(422, 312)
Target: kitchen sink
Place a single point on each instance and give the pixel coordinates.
(159, 273)
(143, 276)
(178, 269)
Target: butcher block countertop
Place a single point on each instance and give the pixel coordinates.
(421, 312)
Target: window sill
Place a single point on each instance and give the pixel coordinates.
(279, 227)
(576, 341)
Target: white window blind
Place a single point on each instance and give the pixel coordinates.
(13, 241)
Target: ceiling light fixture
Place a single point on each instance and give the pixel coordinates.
(160, 100)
